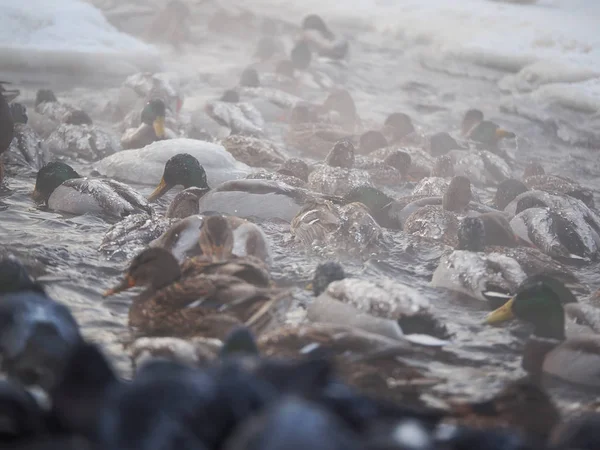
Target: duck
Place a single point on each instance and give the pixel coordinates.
(575, 360)
(47, 104)
(151, 129)
(27, 150)
(62, 189)
(7, 131)
(393, 171)
(39, 332)
(320, 38)
(535, 178)
(276, 89)
(437, 223)
(77, 137)
(383, 306)
(146, 165)
(396, 127)
(421, 160)
(521, 405)
(349, 227)
(253, 151)
(471, 118)
(561, 226)
(191, 305)
(369, 362)
(488, 264)
(240, 117)
(140, 88)
(309, 136)
(337, 176)
(216, 241)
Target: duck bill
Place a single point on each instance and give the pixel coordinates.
(127, 283)
(159, 127)
(502, 314)
(37, 196)
(160, 190)
(501, 133)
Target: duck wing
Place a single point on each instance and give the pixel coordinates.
(131, 195)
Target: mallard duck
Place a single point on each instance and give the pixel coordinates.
(139, 89)
(535, 178)
(62, 189)
(383, 306)
(472, 118)
(482, 167)
(367, 361)
(146, 165)
(421, 161)
(488, 265)
(437, 223)
(488, 133)
(507, 191)
(7, 131)
(38, 332)
(48, 105)
(216, 241)
(522, 405)
(239, 117)
(337, 176)
(348, 227)
(321, 39)
(310, 137)
(392, 171)
(27, 150)
(190, 304)
(547, 351)
(560, 226)
(150, 130)
(254, 152)
(396, 127)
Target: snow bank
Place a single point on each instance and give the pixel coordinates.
(67, 36)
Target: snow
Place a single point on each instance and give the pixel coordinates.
(67, 35)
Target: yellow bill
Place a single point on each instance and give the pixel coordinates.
(502, 314)
(127, 283)
(502, 133)
(37, 196)
(160, 190)
(159, 127)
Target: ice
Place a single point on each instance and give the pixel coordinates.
(66, 35)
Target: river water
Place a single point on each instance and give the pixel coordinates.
(527, 70)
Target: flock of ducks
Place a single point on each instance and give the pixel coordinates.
(220, 361)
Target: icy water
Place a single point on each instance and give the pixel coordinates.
(387, 71)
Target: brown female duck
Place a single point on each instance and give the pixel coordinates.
(188, 304)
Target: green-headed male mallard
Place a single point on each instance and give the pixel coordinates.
(539, 301)
(151, 129)
(64, 190)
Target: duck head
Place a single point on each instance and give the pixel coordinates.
(441, 143)
(216, 238)
(471, 118)
(399, 124)
(50, 177)
(458, 195)
(153, 114)
(325, 274)
(533, 169)
(507, 191)
(471, 234)
(154, 267)
(315, 22)
(19, 113)
(487, 132)
(15, 278)
(341, 155)
(249, 78)
(77, 117)
(45, 96)
(294, 167)
(400, 161)
(182, 169)
(539, 301)
(301, 55)
(230, 96)
(371, 141)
